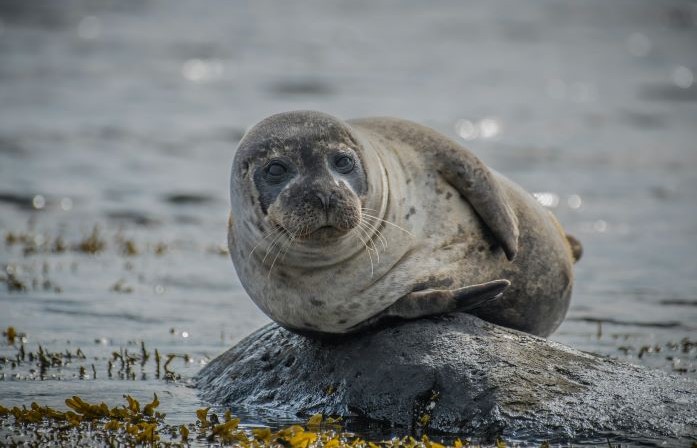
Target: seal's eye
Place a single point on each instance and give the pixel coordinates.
(343, 163)
(276, 171)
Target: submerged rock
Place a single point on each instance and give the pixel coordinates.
(454, 374)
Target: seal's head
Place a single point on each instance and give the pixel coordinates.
(304, 174)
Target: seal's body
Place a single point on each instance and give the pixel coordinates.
(337, 225)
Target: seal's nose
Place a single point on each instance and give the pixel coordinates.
(326, 199)
(323, 199)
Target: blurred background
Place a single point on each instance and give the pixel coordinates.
(119, 120)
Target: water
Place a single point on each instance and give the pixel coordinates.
(125, 115)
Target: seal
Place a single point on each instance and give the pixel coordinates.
(336, 226)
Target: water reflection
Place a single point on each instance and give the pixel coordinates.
(489, 127)
(90, 27)
(200, 70)
(38, 202)
(556, 89)
(66, 204)
(466, 129)
(574, 201)
(485, 128)
(578, 92)
(600, 226)
(549, 200)
(683, 77)
(638, 44)
(552, 200)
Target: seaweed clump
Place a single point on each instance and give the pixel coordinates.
(88, 424)
(129, 422)
(93, 244)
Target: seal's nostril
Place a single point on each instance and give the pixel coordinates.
(322, 199)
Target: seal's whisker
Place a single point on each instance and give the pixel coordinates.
(381, 236)
(261, 240)
(375, 226)
(362, 226)
(273, 244)
(388, 222)
(292, 240)
(284, 251)
(371, 233)
(364, 231)
(278, 252)
(376, 230)
(367, 249)
(372, 243)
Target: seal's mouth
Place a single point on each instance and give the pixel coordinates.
(307, 223)
(323, 233)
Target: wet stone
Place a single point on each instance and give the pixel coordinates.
(455, 374)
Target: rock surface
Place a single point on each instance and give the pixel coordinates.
(455, 374)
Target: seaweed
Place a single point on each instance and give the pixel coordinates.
(121, 287)
(92, 244)
(132, 424)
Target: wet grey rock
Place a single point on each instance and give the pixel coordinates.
(455, 374)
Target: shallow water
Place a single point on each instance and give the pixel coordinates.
(125, 115)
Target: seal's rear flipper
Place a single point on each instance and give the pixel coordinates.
(438, 301)
(431, 302)
(472, 297)
(576, 247)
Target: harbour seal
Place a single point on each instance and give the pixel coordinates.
(336, 225)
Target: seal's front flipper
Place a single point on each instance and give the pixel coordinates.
(462, 170)
(469, 176)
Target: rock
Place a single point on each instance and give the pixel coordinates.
(455, 374)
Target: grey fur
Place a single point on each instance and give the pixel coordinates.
(453, 223)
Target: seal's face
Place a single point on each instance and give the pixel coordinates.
(308, 175)
(312, 190)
